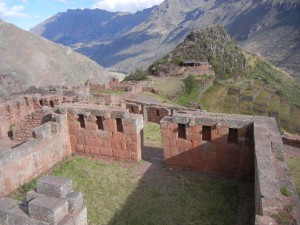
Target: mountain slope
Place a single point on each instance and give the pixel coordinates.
(243, 83)
(245, 20)
(269, 27)
(83, 29)
(31, 60)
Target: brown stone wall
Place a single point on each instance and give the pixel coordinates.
(20, 165)
(216, 155)
(107, 141)
(24, 128)
(12, 112)
(134, 108)
(291, 139)
(155, 113)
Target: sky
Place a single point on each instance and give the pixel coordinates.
(28, 13)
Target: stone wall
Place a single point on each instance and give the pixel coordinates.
(207, 145)
(23, 128)
(105, 131)
(134, 108)
(54, 202)
(20, 165)
(258, 152)
(291, 139)
(155, 114)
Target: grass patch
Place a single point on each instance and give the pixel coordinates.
(152, 134)
(161, 98)
(170, 86)
(274, 103)
(294, 166)
(231, 103)
(212, 100)
(20, 193)
(115, 194)
(284, 191)
(263, 98)
(295, 119)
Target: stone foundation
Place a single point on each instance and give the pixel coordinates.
(54, 202)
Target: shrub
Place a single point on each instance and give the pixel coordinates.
(137, 75)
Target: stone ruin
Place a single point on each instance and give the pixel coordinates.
(54, 202)
(46, 128)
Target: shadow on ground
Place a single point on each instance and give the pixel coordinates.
(181, 197)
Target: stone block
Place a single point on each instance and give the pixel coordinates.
(54, 186)
(48, 209)
(75, 200)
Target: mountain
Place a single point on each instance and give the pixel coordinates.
(268, 27)
(85, 29)
(30, 60)
(242, 83)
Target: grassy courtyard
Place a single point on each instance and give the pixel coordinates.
(120, 194)
(147, 193)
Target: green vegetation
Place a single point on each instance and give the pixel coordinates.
(294, 166)
(211, 44)
(284, 191)
(255, 87)
(152, 134)
(117, 192)
(138, 75)
(170, 86)
(191, 93)
(20, 193)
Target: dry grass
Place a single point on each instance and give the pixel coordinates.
(294, 166)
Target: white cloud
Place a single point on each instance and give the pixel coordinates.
(12, 11)
(126, 6)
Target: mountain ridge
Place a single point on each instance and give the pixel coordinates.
(34, 61)
(170, 22)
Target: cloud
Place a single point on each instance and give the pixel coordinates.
(12, 11)
(125, 6)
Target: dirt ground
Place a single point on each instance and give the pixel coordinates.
(290, 151)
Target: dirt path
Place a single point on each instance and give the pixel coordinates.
(290, 151)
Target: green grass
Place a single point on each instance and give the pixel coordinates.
(231, 104)
(212, 100)
(274, 103)
(161, 98)
(263, 98)
(295, 119)
(20, 193)
(115, 194)
(284, 191)
(118, 194)
(294, 166)
(170, 86)
(152, 134)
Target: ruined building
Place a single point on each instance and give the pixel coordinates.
(37, 131)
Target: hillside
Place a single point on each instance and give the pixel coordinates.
(28, 59)
(86, 29)
(268, 27)
(243, 82)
